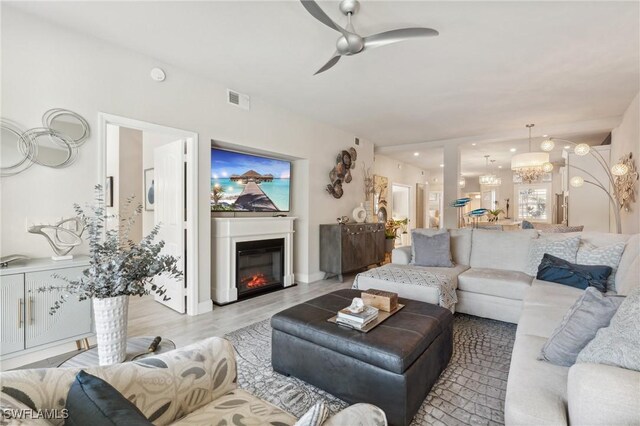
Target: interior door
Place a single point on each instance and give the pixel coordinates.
(169, 213)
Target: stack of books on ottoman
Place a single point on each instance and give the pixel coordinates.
(357, 320)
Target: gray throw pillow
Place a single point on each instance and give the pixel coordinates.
(434, 250)
(619, 343)
(423, 231)
(565, 248)
(592, 311)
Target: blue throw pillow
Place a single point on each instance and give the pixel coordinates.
(560, 271)
(92, 401)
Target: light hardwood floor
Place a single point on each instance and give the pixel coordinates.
(149, 318)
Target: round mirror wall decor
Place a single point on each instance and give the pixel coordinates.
(68, 123)
(54, 145)
(17, 150)
(55, 149)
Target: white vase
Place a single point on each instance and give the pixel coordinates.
(359, 214)
(111, 328)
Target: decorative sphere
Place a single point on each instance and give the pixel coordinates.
(582, 149)
(547, 167)
(576, 181)
(547, 145)
(619, 169)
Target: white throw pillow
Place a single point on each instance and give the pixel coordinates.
(564, 248)
(610, 255)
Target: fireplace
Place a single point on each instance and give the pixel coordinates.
(259, 266)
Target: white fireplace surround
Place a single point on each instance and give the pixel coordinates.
(226, 232)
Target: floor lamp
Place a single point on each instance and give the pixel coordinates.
(618, 169)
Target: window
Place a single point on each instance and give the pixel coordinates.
(534, 203)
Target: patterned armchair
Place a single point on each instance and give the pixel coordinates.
(194, 385)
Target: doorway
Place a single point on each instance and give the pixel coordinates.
(158, 166)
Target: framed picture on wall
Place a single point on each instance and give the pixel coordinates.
(108, 192)
(149, 189)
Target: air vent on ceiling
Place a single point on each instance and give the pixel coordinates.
(238, 99)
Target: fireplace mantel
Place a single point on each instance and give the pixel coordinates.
(226, 232)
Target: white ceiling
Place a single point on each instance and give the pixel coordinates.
(495, 65)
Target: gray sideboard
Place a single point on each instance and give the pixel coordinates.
(350, 247)
(27, 325)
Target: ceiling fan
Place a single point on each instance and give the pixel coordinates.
(351, 43)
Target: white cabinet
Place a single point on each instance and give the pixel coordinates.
(12, 315)
(26, 320)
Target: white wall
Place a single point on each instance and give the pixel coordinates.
(625, 139)
(90, 76)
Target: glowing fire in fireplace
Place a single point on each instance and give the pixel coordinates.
(257, 280)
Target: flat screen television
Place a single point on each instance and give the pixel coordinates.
(249, 183)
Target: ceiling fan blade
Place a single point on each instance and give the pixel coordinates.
(334, 60)
(394, 36)
(315, 11)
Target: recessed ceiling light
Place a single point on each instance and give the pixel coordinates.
(474, 144)
(513, 150)
(415, 154)
(545, 136)
(499, 167)
(441, 165)
(567, 146)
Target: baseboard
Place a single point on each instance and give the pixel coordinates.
(204, 307)
(309, 278)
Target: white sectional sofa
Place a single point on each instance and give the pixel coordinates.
(491, 279)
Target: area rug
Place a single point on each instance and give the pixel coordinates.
(470, 391)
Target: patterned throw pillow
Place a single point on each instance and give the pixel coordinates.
(618, 344)
(557, 228)
(592, 311)
(315, 416)
(565, 248)
(588, 254)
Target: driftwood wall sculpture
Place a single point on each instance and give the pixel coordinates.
(341, 173)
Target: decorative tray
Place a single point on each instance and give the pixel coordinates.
(382, 316)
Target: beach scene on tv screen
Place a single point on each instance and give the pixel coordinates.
(248, 183)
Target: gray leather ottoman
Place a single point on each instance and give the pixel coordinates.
(393, 366)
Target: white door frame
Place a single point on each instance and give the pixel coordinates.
(191, 157)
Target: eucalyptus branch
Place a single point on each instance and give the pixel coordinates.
(117, 265)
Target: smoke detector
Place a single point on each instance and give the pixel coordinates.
(157, 74)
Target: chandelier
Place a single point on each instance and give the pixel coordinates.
(531, 165)
(489, 179)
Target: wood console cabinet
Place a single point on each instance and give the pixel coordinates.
(26, 322)
(350, 247)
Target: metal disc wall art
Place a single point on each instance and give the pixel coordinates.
(341, 172)
(55, 149)
(54, 145)
(18, 149)
(69, 123)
